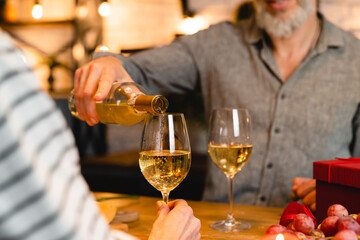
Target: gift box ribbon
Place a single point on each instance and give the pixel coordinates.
(341, 161)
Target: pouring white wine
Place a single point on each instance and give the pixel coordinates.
(126, 104)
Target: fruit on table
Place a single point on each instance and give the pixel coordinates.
(329, 225)
(337, 210)
(348, 223)
(345, 235)
(303, 223)
(338, 225)
(276, 228)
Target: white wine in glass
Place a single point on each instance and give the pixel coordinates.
(165, 155)
(230, 148)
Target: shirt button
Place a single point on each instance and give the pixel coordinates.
(277, 130)
(270, 165)
(283, 96)
(263, 198)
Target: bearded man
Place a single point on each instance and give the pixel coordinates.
(296, 73)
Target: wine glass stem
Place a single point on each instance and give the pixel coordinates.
(165, 196)
(230, 218)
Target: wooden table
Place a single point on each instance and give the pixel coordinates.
(260, 218)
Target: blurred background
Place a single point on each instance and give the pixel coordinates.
(59, 36)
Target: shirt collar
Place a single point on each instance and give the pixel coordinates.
(331, 36)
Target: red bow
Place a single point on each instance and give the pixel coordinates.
(292, 210)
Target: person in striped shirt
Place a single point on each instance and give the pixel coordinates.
(42, 193)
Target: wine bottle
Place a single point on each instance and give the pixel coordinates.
(126, 104)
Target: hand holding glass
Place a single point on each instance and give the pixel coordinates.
(230, 148)
(165, 155)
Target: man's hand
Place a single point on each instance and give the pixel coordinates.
(175, 221)
(304, 188)
(93, 81)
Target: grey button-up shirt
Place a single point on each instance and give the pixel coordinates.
(312, 116)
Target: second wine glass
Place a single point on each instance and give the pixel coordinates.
(230, 148)
(165, 155)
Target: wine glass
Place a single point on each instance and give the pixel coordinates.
(165, 155)
(230, 148)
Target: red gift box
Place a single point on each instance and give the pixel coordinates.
(337, 181)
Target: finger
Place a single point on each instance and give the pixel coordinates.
(82, 79)
(197, 223)
(109, 75)
(89, 89)
(77, 75)
(163, 211)
(297, 181)
(293, 196)
(309, 198)
(95, 76)
(198, 236)
(102, 91)
(159, 204)
(104, 86)
(75, 91)
(313, 207)
(90, 108)
(79, 93)
(177, 203)
(306, 188)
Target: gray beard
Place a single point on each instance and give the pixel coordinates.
(280, 28)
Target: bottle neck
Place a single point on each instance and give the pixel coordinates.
(151, 104)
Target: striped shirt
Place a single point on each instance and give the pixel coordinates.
(42, 193)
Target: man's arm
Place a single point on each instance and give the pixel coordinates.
(165, 70)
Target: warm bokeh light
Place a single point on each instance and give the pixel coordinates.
(279, 237)
(104, 9)
(10, 12)
(78, 51)
(37, 11)
(192, 25)
(82, 11)
(102, 48)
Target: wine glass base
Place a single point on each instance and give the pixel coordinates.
(236, 226)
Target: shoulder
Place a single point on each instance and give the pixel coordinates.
(213, 32)
(11, 56)
(337, 35)
(344, 47)
(225, 32)
(351, 45)
(231, 28)
(6, 42)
